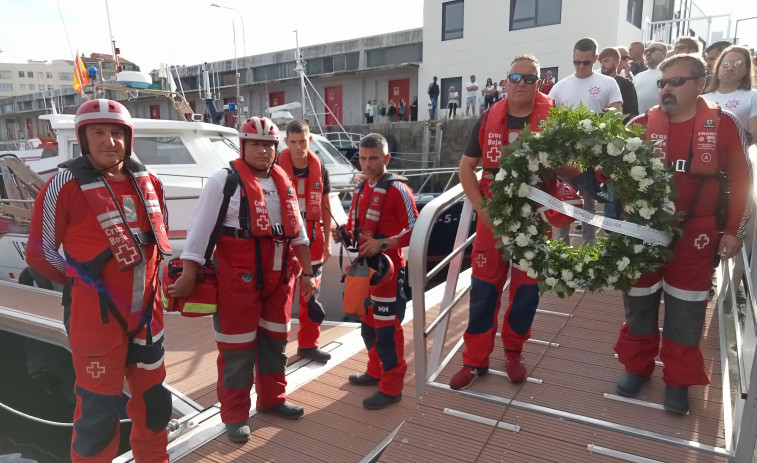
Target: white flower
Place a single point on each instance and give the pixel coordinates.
(579, 266)
(586, 125)
(514, 227)
(597, 149)
(497, 222)
(567, 275)
(525, 210)
(602, 125)
(526, 148)
(644, 183)
(668, 206)
(532, 230)
(507, 209)
(533, 165)
(536, 135)
(647, 212)
(613, 150)
(529, 255)
(579, 146)
(623, 263)
(633, 143)
(638, 172)
(550, 281)
(630, 157)
(505, 240)
(637, 248)
(522, 240)
(571, 284)
(531, 273)
(591, 273)
(630, 208)
(656, 164)
(524, 264)
(515, 174)
(543, 157)
(500, 175)
(637, 274)
(641, 203)
(508, 190)
(523, 190)
(587, 259)
(612, 279)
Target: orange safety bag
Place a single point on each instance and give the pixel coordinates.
(204, 298)
(357, 287)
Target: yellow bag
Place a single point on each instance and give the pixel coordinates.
(357, 287)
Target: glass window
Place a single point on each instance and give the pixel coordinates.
(32, 87)
(21, 73)
(452, 20)
(328, 64)
(328, 153)
(161, 151)
(663, 10)
(66, 75)
(29, 74)
(6, 88)
(525, 14)
(5, 74)
(402, 54)
(376, 57)
(315, 66)
(228, 148)
(49, 75)
(340, 63)
(633, 14)
(353, 60)
(444, 86)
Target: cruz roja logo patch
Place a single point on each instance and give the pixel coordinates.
(247, 277)
(709, 123)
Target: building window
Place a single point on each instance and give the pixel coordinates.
(29, 74)
(376, 57)
(525, 14)
(410, 53)
(353, 61)
(444, 86)
(272, 72)
(21, 73)
(32, 87)
(663, 10)
(49, 75)
(633, 15)
(452, 20)
(66, 76)
(5, 74)
(6, 88)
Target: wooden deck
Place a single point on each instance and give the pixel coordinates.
(566, 411)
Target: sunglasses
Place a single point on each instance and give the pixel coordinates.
(732, 64)
(674, 81)
(582, 63)
(527, 78)
(649, 51)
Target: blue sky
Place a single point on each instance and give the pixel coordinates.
(184, 32)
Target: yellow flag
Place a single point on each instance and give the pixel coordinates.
(81, 78)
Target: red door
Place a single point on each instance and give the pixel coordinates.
(29, 128)
(334, 105)
(399, 89)
(154, 111)
(229, 117)
(275, 99)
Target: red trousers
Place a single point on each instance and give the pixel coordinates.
(685, 283)
(311, 313)
(251, 326)
(103, 355)
(381, 329)
(489, 274)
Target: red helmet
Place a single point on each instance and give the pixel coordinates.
(258, 128)
(565, 193)
(384, 269)
(103, 111)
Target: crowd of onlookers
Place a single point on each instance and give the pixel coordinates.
(395, 111)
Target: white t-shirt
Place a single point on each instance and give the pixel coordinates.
(454, 97)
(204, 217)
(647, 92)
(471, 93)
(742, 103)
(369, 110)
(596, 92)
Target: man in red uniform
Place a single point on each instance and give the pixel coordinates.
(107, 211)
(699, 141)
(311, 182)
(256, 275)
(382, 216)
(503, 123)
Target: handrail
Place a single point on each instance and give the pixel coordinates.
(419, 278)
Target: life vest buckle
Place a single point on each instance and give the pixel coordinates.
(682, 165)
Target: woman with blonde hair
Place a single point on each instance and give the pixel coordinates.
(732, 87)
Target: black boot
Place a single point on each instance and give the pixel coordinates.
(380, 400)
(630, 384)
(315, 354)
(238, 432)
(363, 379)
(676, 400)
(285, 410)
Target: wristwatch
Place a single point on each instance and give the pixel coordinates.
(383, 245)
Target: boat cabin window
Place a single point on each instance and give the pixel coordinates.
(161, 151)
(328, 153)
(227, 148)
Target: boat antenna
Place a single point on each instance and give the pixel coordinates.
(300, 69)
(65, 30)
(113, 48)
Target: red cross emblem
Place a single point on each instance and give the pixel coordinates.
(263, 222)
(702, 241)
(480, 260)
(96, 370)
(126, 254)
(493, 154)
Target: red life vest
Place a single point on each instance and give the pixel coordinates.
(309, 189)
(252, 195)
(703, 153)
(494, 133)
(122, 241)
(367, 227)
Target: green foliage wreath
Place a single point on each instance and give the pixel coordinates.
(641, 182)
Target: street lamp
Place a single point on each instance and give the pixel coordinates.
(236, 61)
(244, 40)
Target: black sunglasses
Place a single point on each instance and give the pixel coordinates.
(674, 81)
(582, 63)
(528, 78)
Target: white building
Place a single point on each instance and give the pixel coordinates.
(19, 77)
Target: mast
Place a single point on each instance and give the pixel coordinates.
(112, 40)
(300, 69)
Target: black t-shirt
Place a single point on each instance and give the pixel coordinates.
(630, 99)
(305, 173)
(473, 148)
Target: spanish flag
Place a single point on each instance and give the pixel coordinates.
(81, 78)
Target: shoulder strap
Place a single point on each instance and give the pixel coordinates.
(232, 179)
